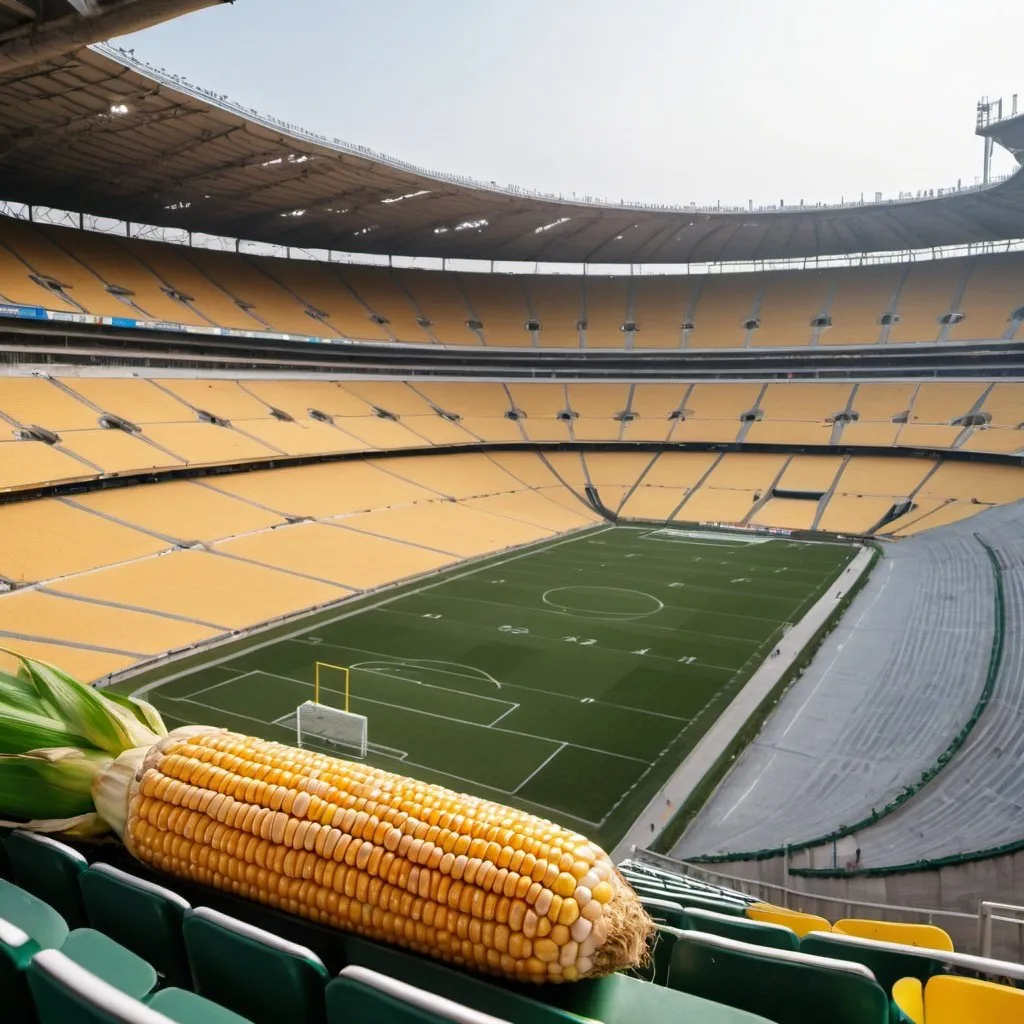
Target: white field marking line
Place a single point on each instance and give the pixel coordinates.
(589, 618)
(616, 614)
(447, 718)
(143, 690)
(758, 593)
(224, 682)
(700, 714)
(541, 767)
(514, 707)
(416, 663)
(414, 764)
(839, 651)
(419, 682)
(749, 789)
(550, 693)
(695, 565)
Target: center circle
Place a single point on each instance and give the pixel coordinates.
(602, 602)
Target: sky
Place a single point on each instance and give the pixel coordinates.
(662, 101)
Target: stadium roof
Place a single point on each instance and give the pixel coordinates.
(97, 132)
(36, 30)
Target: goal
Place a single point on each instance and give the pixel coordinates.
(322, 725)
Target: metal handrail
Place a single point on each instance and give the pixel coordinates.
(761, 889)
(986, 918)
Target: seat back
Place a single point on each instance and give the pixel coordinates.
(785, 987)
(253, 972)
(64, 993)
(927, 936)
(359, 994)
(800, 923)
(37, 919)
(952, 1000)
(459, 985)
(759, 933)
(48, 869)
(887, 961)
(908, 998)
(16, 950)
(142, 916)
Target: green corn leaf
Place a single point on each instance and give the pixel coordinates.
(141, 709)
(21, 731)
(105, 725)
(54, 783)
(17, 692)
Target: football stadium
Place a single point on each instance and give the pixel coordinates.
(423, 600)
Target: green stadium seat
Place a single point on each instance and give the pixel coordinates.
(142, 916)
(253, 972)
(670, 912)
(48, 869)
(63, 992)
(104, 958)
(16, 950)
(186, 1007)
(359, 994)
(759, 933)
(87, 947)
(661, 954)
(34, 917)
(468, 989)
(626, 1000)
(887, 961)
(786, 987)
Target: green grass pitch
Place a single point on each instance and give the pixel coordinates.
(568, 678)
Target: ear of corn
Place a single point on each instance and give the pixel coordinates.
(465, 880)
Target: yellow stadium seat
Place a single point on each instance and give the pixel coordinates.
(802, 924)
(928, 936)
(908, 995)
(952, 1000)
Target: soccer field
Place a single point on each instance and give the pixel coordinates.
(569, 678)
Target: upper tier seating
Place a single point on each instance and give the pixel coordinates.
(94, 427)
(106, 275)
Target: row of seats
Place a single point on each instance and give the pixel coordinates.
(883, 698)
(143, 955)
(67, 429)
(106, 275)
(200, 957)
(794, 967)
(100, 581)
(125, 574)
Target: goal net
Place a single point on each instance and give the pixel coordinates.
(324, 725)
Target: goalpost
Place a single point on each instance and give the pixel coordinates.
(325, 724)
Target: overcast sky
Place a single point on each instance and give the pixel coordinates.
(651, 100)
